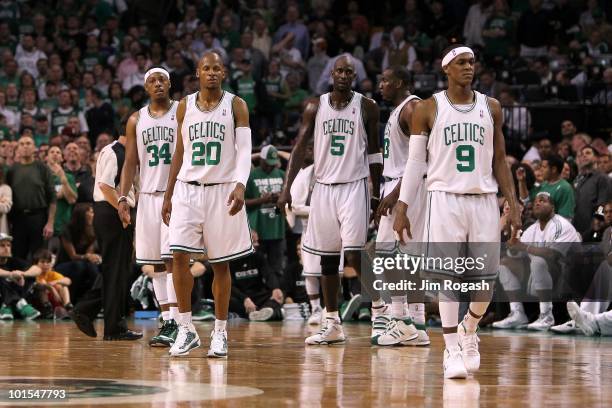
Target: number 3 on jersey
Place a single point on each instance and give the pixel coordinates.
(465, 158)
(337, 145)
(159, 153)
(212, 150)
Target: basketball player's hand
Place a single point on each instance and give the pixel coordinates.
(236, 199)
(166, 211)
(249, 306)
(284, 201)
(401, 223)
(123, 208)
(516, 223)
(385, 208)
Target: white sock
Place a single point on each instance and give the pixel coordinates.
(378, 303)
(332, 315)
(417, 312)
(398, 306)
(170, 292)
(220, 325)
(174, 313)
(315, 303)
(546, 307)
(166, 315)
(449, 314)
(160, 287)
(517, 307)
(184, 318)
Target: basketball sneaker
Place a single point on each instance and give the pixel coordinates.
(349, 308)
(545, 321)
(568, 327)
(454, 367)
(261, 315)
(421, 340)
(380, 320)
(585, 321)
(469, 348)
(218, 344)
(397, 331)
(187, 339)
(515, 320)
(331, 333)
(6, 313)
(27, 311)
(165, 336)
(316, 316)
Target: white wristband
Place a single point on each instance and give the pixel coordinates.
(375, 158)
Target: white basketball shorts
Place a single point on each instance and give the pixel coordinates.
(200, 223)
(152, 245)
(339, 217)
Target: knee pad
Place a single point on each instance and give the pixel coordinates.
(330, 264)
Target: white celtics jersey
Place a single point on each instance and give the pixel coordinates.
(395, 143)
(156, 141)
(340, 142)
(209, 142)
(460, 147)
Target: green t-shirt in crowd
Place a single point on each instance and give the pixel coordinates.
(264, 219)
(562, 194)
(63, 211)
(40, 138)
(499, 46)
(295, 100)
(5, 133)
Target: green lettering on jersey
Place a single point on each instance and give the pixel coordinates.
(157, 133)
(464, 132)
(206, 130)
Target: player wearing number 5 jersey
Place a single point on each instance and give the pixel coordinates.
(151, 137)
(204, 200)
(457, 141)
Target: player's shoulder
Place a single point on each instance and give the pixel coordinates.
(424, 106)
(312, 105)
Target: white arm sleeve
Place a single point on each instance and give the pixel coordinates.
(243, 155)
(416, 168)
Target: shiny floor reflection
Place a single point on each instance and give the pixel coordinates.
(270, 366)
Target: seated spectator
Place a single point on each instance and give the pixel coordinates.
(6, 202)
(256, 293)
(598, 225)
(560, 190)
(52, 286)
(604, 96)
(545, 243)
(77, 258)
(16, 280)
(293, 286)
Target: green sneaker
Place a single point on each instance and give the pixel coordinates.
(28, 312)
(6, 313)
(172, 331)
(205, 314)
(365, 315)
(163, 338)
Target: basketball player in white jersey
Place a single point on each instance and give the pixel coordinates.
(204, 200)
(394, 89)
(345, 129)
(457, 140)
(151, 139)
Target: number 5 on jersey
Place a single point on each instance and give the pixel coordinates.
(337, 145)
(206, 153)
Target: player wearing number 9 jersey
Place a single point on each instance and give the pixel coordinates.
(204, 200)
(151, 139)
(457, 140)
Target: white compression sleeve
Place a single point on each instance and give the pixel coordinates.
(243, 154)
(416, 168)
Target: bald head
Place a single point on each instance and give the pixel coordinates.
(344, 61)
(343, 73)
(211, 57)
(211, 71)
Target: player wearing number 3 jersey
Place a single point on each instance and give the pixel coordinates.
(204, 201)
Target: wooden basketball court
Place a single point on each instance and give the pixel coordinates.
(269, 366)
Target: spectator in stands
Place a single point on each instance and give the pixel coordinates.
(592, 188)
(399, 51)
(316, 63)
(53, 287)
(534, 31)
(262, 191)
(488, 85)
(27, 55)
(65, 110)
(100, 115)
(475, 21)
(34, 201)
(80, 171)
(568, 130)
(517, 119)
(261, 37)
(299, 31)
(498, 33)
(41, 129)
(598, 225)
(290, 57)
(277, 93)
(256, 292)
(579, 140)
(258, 60)
(559, 189)
(604, 96)
(16, 279)
(65, 190)
(6, 202)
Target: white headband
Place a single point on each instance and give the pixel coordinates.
(158, 71)
(454, 53)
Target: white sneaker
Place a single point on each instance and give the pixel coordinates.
(421, 340)
(585, 321)
(454, 367)
(380, 320)
(568, 327)
(545, 321)
(515, 320)
(397, 331)
(469, 347)
(187, 339)
(218, 344)
(261, 315)
(331, 333)
(316, 316)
